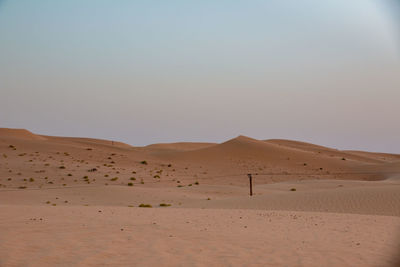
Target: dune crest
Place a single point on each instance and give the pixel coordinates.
(19, 134)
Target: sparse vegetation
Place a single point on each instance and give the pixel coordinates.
(130, 184)
(145, 206)
(133, 178)
(292, 189)
(196, 183)
(143, 162)
(61, 167)
(165, 205)
(114, 179)
(22, 187)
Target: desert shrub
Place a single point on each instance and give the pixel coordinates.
(145, 206)
(61, 167)
(130, 184)
(114, 179)
(343, 159)
(179, 185)
(143, 162)
(22, 187)
(156, 176)
(31, 180)
(106, 175)
(165, 205)
(292, 189)
(133, 178)
(196, 183)
(189, 184)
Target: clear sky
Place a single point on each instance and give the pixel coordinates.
(143, 72)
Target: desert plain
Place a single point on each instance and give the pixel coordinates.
(87, 202)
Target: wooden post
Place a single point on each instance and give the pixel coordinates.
(251, 183)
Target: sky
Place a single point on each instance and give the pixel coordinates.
(142, 72)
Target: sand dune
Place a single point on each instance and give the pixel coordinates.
(19, 134)
(312, 205)
(175, 147)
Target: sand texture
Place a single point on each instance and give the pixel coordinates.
(75, 202)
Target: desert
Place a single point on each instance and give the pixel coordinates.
(89, 202)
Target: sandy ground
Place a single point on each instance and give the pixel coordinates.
(74, 202)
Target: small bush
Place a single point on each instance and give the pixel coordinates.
(130, 184)
(22, 187)
(31, 180)
(179, 185)
(133, 178)
(145, 206)
(143, 162)
(61, 167)
(114, 179)
(343, 159)
(156, 176)
(69, 174)
(292, 189)
(165, 205)
(196, 183)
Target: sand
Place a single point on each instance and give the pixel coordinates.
(68, 202)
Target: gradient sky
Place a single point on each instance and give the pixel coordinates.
(143, 72)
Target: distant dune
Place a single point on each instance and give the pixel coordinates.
(19, 134)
